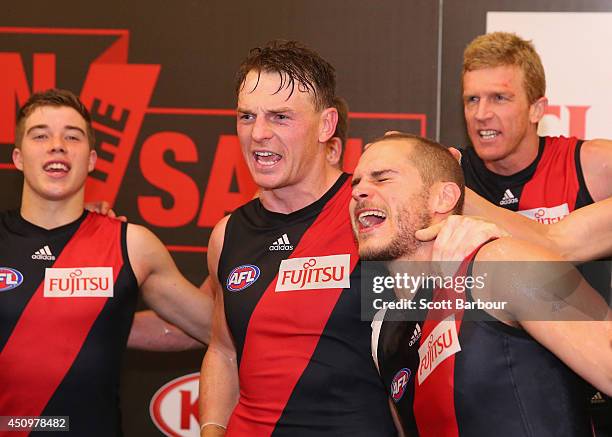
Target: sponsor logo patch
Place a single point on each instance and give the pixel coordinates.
(441, 343)
(399, 384)
(79, 282)
(314, 273)
(9, 278)
(545, 215)
(242, 277)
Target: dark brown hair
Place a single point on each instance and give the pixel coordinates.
(52, 97)
(293, 62)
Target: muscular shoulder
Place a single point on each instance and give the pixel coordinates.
(215, 244)
(514, 249)
(596, 161)
(145, 250)
(140, 237)
(528, 277)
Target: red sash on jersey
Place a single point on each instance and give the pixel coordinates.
(555, 180)
(434, 399)
(300, 308)
(51, 331)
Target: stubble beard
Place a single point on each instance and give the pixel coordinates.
(404, 243)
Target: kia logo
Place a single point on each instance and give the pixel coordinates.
(174, 407)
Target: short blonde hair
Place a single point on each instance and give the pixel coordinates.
(502, 48)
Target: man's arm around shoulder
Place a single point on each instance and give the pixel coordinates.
(551, 301)
(164, 288)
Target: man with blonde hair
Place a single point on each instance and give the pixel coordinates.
(542, 178)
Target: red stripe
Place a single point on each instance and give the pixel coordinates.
(555, 180)
(62, 31)
(51, 331)
(434, 399)
(181, 248)
(285, 327)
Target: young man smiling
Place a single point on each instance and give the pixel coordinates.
(70, 279)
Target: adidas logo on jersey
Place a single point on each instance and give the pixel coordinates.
(597, 399)
(282, 244)
(416, 335)
(44, 253)
(508, 198)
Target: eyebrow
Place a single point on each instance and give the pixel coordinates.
(374, 175)
(46, 126)
(379, 173)
(270, 111)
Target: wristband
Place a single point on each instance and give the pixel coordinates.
(212, 423)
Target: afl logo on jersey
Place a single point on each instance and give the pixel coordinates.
(399, 384)
(9, 278)
(242, 277)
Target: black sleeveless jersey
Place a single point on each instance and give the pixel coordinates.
(67, 299)
(291, 285)
(459, 378)
(547, 190)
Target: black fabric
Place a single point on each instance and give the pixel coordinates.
(339, 392)
(504, 382)
(89, 392)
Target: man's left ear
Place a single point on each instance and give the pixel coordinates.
(537, 108)
(17, 158)
(443, 196)
(329, 120)
(93, 156)
(333, 151)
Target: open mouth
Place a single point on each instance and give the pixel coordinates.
(488, 134)
(56, 167)
(370, 219)
(266, 158)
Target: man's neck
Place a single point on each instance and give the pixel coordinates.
(50, 214)
(292, 198)
(405, 268)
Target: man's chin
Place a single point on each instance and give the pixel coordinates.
(376, 254)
